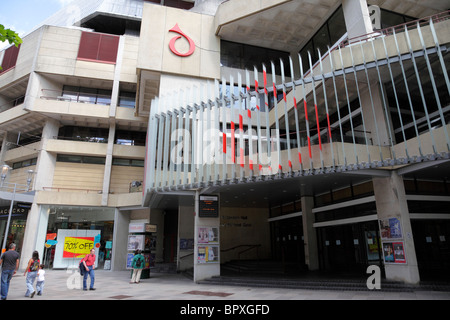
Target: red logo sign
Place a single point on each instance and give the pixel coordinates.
(177, 29)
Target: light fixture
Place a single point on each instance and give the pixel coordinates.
(29, 178)
(4, 173)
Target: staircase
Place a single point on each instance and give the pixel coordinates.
(260, 267)
(271, 274)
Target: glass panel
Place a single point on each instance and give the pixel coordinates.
(304, 54)
(321, 41)
(68, 158)
(94, 160)
(137, 163)
(390, 19)
(336, 26)
(121, 162)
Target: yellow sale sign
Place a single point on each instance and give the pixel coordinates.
(77, 246)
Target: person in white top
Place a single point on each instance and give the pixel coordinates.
(40, 280)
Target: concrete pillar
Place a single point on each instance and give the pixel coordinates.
(309, 234)
(108, 164)
(120, 240)
(391, 203)
(204, 270)
(7, 137)
(357, 19)
(46, 162)
(374, 115)
(44, 172)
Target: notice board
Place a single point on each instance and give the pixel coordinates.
(209, 207)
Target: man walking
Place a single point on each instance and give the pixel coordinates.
(88, 261)
(10, 263)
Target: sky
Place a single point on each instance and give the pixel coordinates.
(22, 15)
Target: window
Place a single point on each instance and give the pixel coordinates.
(130, 138)
(10, 58)
(86, 134)
(87, 95)
(127, 99)
(98, 47)
(80, 159)
(242, 56)
(181, 4)
(25, 163)
(328, 34)
(128, 162)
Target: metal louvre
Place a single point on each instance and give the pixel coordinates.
(335, 117)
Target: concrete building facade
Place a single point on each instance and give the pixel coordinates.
(310, 133)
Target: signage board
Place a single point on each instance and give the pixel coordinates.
(209, 207)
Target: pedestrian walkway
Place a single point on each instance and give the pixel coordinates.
(114, 285)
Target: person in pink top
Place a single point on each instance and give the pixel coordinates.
(89, 263)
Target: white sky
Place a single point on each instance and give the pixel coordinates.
(23, 15)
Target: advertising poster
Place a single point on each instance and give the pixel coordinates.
(75, 247)
(372, 245)
(72, 245)
(208, 254)
(394, 252)
(390, 229)
(135, 242)
(208, 235)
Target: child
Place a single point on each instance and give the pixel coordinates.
(40, 280)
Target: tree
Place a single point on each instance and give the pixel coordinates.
(9, 35)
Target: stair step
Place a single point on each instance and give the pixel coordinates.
(305, 284)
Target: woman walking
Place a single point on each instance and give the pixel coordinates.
(32, 270)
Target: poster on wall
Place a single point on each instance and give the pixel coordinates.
(394, 252)
(372, 245)
(208, 254)
(135, 242)
(73, 245)
(390, 229)
(208, 235)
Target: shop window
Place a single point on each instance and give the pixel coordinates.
(98, 47)
(10, 58)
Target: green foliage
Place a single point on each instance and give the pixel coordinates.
(9, 35)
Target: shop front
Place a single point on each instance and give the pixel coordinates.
(17, 224)
(72, 232)
(350, 248)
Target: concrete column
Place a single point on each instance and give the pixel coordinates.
(357, 19)
(371, 103)
(309, 234)
(108, 164)
(46, 162)
(45, 168)
(120, 240)
(204, 270)
(7, 137)
(391, 203)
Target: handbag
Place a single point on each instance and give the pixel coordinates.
(81, 268)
